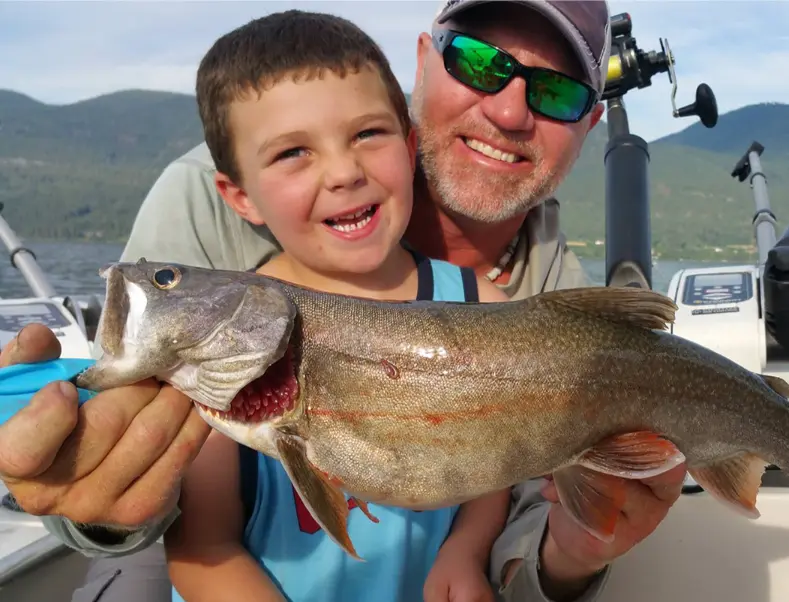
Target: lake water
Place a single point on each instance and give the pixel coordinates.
(73, 268)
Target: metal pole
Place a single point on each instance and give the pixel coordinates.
(24, 260)
(763, 219)
(628, 240)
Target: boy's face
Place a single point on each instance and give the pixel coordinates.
(324, 164)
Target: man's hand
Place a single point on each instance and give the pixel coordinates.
(117, 460)
(570, 557)
(457, 576)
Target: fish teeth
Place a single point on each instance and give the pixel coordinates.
(489, 151)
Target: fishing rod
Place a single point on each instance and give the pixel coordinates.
(24, 260)
(628, 235)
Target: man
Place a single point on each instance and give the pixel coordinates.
(493, 149)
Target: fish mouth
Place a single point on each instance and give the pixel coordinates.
(268, 397)
(122, 314)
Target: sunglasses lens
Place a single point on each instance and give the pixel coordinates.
(557, 96)
(477, 64)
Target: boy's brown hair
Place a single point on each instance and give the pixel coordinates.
(264, 51)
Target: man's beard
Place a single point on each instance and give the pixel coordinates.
(472, 192)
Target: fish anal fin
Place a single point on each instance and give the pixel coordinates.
(734, 481)
(592, 499)
(777, 384)
(639, 307)
(325, 502)
(635, 455)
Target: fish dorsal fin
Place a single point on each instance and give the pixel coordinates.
(636, 306)
(777, 384)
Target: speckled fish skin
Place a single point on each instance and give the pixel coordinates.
(428, 404)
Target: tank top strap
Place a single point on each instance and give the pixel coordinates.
(442, 281)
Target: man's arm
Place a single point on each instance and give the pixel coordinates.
(95, 540)
(177, 221)
(524, 567)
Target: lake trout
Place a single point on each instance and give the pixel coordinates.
(424, 404)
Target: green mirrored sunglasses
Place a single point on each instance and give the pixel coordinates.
(489, 69)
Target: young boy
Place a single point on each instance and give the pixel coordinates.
(311, 136)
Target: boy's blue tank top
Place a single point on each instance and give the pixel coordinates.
(398, 551)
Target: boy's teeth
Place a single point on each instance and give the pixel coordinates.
(362, 217)
(359, 213)
(355, 226)
(489, 151)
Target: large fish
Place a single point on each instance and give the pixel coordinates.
(427, 404)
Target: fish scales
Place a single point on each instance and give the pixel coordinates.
(427, 404)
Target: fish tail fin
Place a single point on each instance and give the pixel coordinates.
(638, 307)
(734, 481)
(593, 489)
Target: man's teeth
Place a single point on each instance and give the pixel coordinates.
(365, 214)
(489, 151)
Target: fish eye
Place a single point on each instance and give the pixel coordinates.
(165, 278)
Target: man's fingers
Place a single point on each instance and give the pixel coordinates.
(31, 439)
(667, 486)
(164, 477)
(103, 422)
(549, 492)
(148, 436)
(34, 343)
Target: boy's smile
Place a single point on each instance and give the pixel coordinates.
(355, 224)
(325, 165)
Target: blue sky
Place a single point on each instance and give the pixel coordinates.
(61, 52)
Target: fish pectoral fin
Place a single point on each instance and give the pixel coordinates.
(777, 384)
(734, 481)
(636, 455)
(593, 499)
(638, 307)
(325, 502)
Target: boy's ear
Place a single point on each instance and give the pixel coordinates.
(237, 199)
(411, 142)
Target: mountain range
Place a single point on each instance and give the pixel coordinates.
(80, 171)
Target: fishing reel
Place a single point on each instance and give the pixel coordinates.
(630, 67)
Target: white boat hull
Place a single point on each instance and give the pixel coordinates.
(703, 552)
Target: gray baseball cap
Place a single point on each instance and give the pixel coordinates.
(585, 24)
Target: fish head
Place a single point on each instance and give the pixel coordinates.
(159, 308)
(209, 333)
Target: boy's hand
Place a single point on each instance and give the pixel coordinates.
(457, 576)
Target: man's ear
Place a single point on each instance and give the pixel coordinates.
(423, 44)
(595, 116)
(237, 199)
(411, 142)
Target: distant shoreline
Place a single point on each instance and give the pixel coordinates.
(734, 256)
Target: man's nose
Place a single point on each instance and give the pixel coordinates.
(507, 109)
